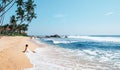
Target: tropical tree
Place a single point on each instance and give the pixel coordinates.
(29, 8)
(20, 10)
(20, 21)
(13, 23)
(3, 5)
(25, 11)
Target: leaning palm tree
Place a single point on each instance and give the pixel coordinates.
(29, 7)
(3, 5)
(24, 14)
(4, 8)
(20, 12)
(25, 11)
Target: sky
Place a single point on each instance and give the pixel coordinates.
(75, 17)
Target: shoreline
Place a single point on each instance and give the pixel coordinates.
(11, 55)
(42, 56)
(51, 57)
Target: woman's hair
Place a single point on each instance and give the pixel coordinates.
(26, 45)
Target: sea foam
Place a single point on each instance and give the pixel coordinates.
(63, 59)
(58, 58)
(110, 39)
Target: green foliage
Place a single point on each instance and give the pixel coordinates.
(8, 30)
(25, 11)
(29, 8)
(19, 22)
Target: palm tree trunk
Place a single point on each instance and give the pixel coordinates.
(6, 5)
(8, 9)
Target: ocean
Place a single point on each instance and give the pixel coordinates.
(86, 52)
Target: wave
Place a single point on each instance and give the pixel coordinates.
(98, 55)
(65, 42)
(58, 41)
(83, 44)
(91, 58)
(110, 39)
(90, 49)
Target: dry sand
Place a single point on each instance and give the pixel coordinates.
(11, 55)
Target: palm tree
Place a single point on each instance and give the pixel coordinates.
(24, 13)
(30, 10)
(13, 23)
(3, 5)
(6, 29)
(20, 12)
(13, 20)
(24, 29)
(20, 3)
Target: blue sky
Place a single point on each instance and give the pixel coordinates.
(76, 17)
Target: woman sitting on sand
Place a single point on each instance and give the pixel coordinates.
(26, 46)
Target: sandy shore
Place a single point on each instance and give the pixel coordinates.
(11, 55)
(46, 57)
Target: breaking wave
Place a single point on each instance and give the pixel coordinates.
(110, 39)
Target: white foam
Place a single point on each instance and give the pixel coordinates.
(111, 39)
(48, 39)
(53, 58)
(90, 52)
(65, 42)
(57, 42)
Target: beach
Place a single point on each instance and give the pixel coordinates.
(11, 55)
(63, 54)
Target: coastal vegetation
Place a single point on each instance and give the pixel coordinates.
(19, 22)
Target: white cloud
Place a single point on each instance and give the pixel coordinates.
(59, 16)
(109, 13)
